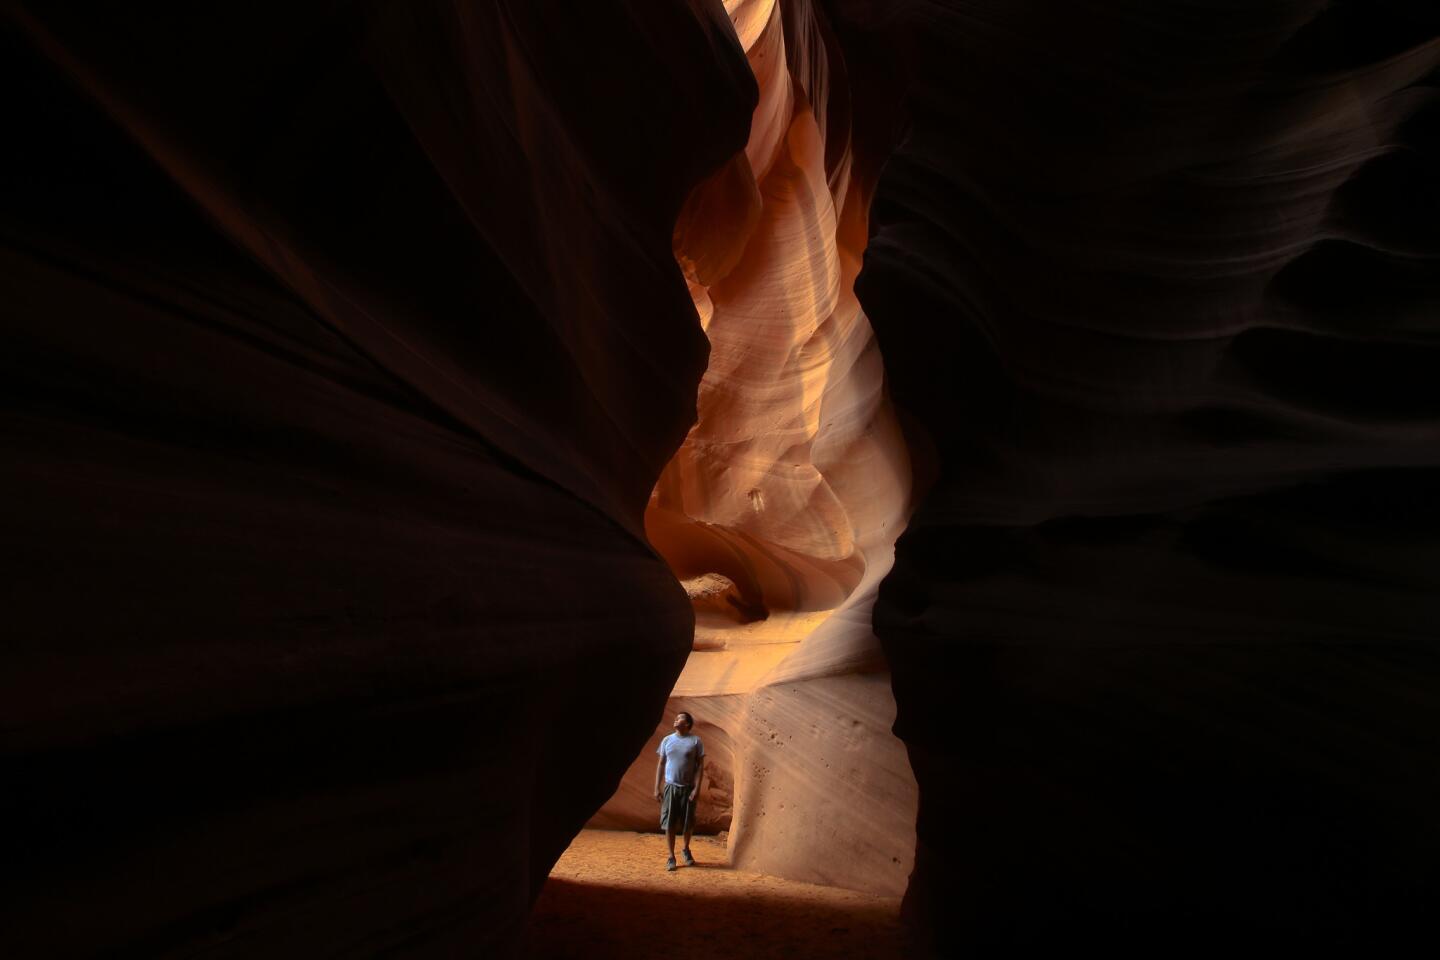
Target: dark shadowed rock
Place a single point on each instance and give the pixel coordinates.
(342, 350)
(344, 345)
(1159, 286)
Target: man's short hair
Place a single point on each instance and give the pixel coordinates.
(686, 714)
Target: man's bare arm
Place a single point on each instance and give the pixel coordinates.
(659, 775)
(699, 779)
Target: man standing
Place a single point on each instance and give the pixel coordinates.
(680, 769)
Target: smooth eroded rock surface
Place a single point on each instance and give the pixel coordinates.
(343, 348)
(781, 508)
(1160, 284)
(372, 373)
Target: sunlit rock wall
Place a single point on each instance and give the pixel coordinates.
(342, 348)
(782, 506)
(1161, 282)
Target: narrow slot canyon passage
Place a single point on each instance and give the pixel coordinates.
(407, 409)
(779, 515)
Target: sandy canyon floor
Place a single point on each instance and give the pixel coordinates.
(610, 896)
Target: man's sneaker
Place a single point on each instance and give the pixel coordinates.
(670, 864)
(689, 860)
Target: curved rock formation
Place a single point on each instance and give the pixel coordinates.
(789, 491)
(342, 351)
(346, 360)
(1162, 289)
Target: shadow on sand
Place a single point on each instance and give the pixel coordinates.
(596, 922)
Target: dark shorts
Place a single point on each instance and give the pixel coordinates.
(676, 808)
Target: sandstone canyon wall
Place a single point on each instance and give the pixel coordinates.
(343, 346)
(781, 508)
(357, 424)
(1160, 281)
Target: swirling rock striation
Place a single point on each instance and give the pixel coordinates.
(343, 348)
(789, 491)
(1158, 284)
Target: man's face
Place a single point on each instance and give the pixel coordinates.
(681, 724)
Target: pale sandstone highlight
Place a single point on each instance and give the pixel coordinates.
(781, 509)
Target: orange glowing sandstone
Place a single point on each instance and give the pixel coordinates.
(781, 509)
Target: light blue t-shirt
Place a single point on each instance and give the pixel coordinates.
(682, 758)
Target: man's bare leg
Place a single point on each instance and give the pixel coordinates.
(670, 842)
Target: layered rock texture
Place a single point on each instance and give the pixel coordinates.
(343, 349)
(399, 398)
(781, 508)
(1161, 284)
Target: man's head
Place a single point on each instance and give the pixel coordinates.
(683, 723)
